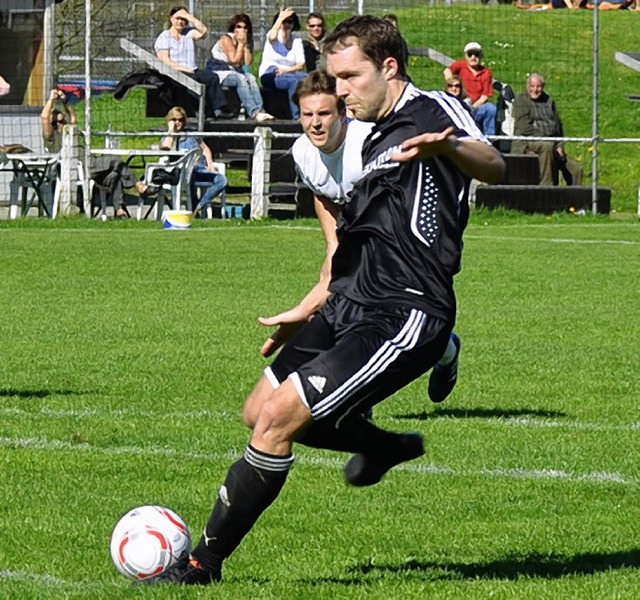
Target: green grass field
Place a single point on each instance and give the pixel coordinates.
(127, 352)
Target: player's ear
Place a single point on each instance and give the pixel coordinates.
(390, 67)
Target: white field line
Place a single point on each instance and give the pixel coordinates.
(45, 444)
(471, 236)
(228, 415)
(552, 240)
(46, 580)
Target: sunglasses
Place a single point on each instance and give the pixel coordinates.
(288, 21)
(474, 53)
(320, 26)
(177, 119)
(240, 26)
(454, 85)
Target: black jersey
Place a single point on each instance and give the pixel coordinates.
(400, 236)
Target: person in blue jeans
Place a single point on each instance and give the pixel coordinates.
(283, 62)
(205, 171)
(231, 60)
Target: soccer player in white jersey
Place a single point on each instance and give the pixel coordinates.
(387, 314)
(328, 157)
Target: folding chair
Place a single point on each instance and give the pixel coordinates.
(185, 165)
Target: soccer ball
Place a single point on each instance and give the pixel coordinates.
(147, 541)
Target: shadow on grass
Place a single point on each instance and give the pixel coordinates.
(12, 393)
(553, 566)
(481, 413)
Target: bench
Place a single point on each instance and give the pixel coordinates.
(276, 102)
(629, 59)
(163, 68)
(522, 169)
(542, 199)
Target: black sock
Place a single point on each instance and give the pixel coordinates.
(252, 484)
(355, 434)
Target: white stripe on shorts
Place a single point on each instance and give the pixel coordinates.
(405, 340)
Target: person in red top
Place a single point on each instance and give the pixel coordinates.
(478, 83)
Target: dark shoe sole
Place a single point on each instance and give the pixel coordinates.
(362, 470)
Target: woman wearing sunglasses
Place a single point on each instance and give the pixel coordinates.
(231, 60)
(205, 171)
(283, 62)
(455, 87)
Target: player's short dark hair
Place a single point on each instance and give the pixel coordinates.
(319, 82)
(175, 9)
(378, 39)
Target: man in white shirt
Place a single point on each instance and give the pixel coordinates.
(176, 47)
(328, 158)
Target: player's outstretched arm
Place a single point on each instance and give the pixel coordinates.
(290, 321)
(474, 158)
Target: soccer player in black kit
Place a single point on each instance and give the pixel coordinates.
(389, 309)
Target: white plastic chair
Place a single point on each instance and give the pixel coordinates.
(86, 194)
(185, 164)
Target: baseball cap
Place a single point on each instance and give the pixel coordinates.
(472, 46)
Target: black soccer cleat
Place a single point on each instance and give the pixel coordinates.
(443, 378)
(362, 470)
(184, 572)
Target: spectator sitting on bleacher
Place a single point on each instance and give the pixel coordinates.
(535, 114)
(283, 63)
(312, 40)
(53, 120)
(176, 47)
(455, 87)
(231, 60)
(205, 170)
(478, 83)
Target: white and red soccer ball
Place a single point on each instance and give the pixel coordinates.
(147, 541)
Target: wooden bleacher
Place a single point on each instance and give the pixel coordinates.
(521, 190)
(163, 68)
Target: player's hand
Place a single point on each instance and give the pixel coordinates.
(426, 146)
(287, 323)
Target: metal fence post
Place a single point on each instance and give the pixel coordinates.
(260, 172)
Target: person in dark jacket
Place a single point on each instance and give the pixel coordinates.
(535, 114)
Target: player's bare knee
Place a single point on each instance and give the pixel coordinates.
(281, 418)
(256, 399)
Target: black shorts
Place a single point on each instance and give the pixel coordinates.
(350, 357)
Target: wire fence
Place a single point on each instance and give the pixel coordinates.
(66, 44)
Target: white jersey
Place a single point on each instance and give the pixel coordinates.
(332, 175)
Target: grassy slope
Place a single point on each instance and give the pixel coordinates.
(517, 42)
